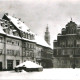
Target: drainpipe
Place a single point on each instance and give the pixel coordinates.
(5, 53)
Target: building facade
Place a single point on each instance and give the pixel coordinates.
(67, 47)
(18, 43)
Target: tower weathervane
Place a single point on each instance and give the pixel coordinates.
(71, 18)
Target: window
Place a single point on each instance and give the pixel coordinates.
(13, 52)
(24, 44)
(17, 43)
(9, 41)
(27, 36)
(28, 45)
(24, 35)
(17, 62)
(1, 51)
(17, 53)
(39, 53)
(18, 22)
(12, 42)
(77, 52)
(15, 33)
(70, 43)
(64, 52)
(31, 37)
(1, 39)
(24, 52)
(10, 52)
(78, 43)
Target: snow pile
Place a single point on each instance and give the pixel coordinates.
(29, 64)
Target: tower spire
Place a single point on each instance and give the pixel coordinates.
(47, 28)
(47, 35)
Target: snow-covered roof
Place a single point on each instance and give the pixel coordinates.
(39, 40)
(10, 35)
(29, 64)
(1, 30)
(28, 40)
(19, 24)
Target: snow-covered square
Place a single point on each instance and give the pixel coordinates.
(46, 74)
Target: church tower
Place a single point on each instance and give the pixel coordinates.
(47, 35)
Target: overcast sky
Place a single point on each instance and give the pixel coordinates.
(38, 13)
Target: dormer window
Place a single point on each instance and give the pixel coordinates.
(2, 24)
(20, 27)
(18, 23)
(30, 36)
(11, 26)
(27, 35)
(24, 34)
(5, 20)
(6, 25)
(19, 18)
(28, 30)
(14, 30)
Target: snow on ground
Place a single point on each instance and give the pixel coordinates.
(46, 74)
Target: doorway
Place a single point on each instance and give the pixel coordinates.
(9, 64)
(0, 66)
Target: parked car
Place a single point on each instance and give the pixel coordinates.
(28, 66)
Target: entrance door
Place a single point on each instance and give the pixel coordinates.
(0, 66)
(9, 64)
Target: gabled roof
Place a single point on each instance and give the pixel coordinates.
(19, 24)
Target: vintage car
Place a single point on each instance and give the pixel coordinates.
(28, 66)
